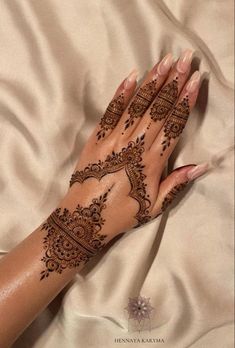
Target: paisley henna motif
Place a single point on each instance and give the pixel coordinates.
(176, 122)
(165, 101)
(130, 159)
(141, 102)
(73, 237)
(172, 194)
(112, 116)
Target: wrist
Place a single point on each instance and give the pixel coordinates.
(74, 233)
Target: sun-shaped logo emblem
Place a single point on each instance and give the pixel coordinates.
(139, 309)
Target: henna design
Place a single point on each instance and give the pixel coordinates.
(165, 101)
(73, 237)
(130, 159)
(141, 102)
(112, 116)
(176, 122)
(172, 194)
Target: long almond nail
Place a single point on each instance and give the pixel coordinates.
(184, 61)
(165, 64)
(197, 171)
(193, 82)
(131, 79)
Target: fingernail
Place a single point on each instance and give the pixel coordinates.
(164, 66)
(131, 79)
(193, 82)
(184, 61)
(197, 171)
(186, 165)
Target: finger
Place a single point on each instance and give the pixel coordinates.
(175, 123)
(145, 95)
(116, 107)
(164, 102)
(176, 182)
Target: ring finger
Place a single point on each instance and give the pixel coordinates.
(174, 125)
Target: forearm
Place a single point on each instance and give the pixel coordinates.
(22, 294)
(36, 270)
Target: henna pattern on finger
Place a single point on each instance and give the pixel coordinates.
(165, 101)
(141, 102)
(130, 159)
(176, 122)
(172, 194)
(111, 116)
(73, 237)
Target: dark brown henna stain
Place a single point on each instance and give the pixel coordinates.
(73, 237)
(112, 115)
(130, 159)
(165, 101)
(172, 194)
(141, 102)
(176, 122)
(134, 169)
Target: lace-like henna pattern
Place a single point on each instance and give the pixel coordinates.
(176, 122)
(73, 237)
(141, 102)
(172, 194)
(112, 115)
(165, 101)
(130, 159)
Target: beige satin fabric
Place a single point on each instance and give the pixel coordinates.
(60, 63)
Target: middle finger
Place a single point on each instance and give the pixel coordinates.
(158, 111)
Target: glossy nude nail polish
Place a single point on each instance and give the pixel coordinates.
(193, 83)
(184, 61)
(197, 171)
(131, 79)
(165, 64)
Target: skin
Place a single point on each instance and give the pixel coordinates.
(22, 294)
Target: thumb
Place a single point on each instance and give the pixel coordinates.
(175, 182)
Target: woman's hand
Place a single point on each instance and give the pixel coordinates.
(117, 183)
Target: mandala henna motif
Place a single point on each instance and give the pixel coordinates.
(112, 116)
(165, 101)
(141, 102)
(130, 159)
(73, 237)
(176, 122)
(172, 194)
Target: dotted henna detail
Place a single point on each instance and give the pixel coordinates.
(73, 237)
(176, 122)
(112, 115)
(141, 102)
(172, 194)
(130, 159)
(165, 101)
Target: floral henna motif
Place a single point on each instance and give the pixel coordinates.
(112, 115)
(176, 122)
(165, 101)
(73, 237)
(141, 102)
(172, 194)
(130, 159)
